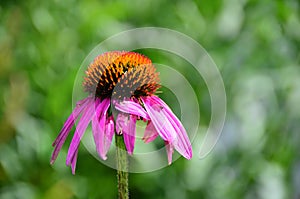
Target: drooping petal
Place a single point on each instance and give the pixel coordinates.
(159, 120)
(109, 133)
(121, 122)
(167, 125)
(129, 134)
(80, 105)
(61, 138)
(74, 161)
(125, 125)
(170, 150)
(150, 133)
(80, 129)
(96, 131)
(98, 126)
(131, 107)
(183, 145)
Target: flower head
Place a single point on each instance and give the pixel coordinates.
(127, 82)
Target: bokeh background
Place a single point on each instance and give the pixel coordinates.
(255, 45)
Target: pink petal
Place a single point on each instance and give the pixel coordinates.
(129, 134)
(131, 107)
(109, 133)
(170, 150)
(150, 133)
(167, 125)
(82, 125)
(80, 105)
(121, 122)
(159, 120)
(61, 138)
(74, 161)
(125, 125)
(182, 145)
(98, 126)
(96, 131)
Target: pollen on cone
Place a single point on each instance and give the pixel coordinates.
(124, 70)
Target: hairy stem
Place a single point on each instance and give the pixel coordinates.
(122, 167)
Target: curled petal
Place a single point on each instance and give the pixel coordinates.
(82, 125)
(150, 133)
(61, 138)
(131, 107)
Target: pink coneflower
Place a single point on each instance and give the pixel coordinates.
(123, 83)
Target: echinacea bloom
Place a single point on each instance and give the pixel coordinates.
(125, 82)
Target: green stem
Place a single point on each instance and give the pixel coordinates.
(122, 167)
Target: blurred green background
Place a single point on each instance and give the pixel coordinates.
(256, 46)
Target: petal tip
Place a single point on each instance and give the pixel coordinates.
(68, 161)
(189, 154)
(103, 157)
(145, 140)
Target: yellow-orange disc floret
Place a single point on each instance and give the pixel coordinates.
(122, 74)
